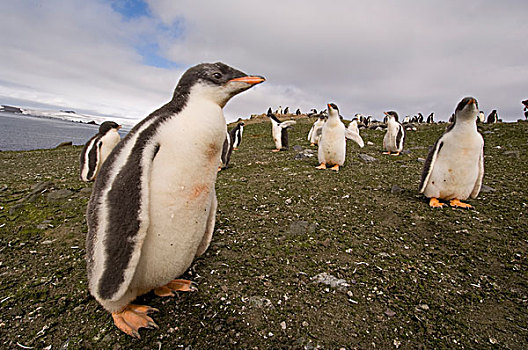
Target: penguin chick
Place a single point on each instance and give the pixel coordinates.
(352, 133)
(315, 131)
(153, 205)
(454, 167)
(279, 131)
(97, 149)
(332, 145)
(394, 138)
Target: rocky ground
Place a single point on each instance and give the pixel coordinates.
(300, 258)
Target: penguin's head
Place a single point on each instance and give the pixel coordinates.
(217, 82)
(333, 109)
(107, 126)
(467, 108)
(391, 114)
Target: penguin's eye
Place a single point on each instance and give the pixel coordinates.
(217, 75)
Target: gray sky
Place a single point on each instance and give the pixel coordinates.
(124, 57)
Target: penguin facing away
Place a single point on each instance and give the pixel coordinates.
(454, 167)
(236, 135)
(394, 138)
(492, 117)
(279, 131)
(153, 205)
(430, 118)
(97, 149)
(315, 131)
(332, 145)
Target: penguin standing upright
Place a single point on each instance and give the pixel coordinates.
(454, 167)
(97, 149)
(298, 111)
(314, 134)
(332, 145)
(395, 136)
(493, 117)
(481, 118)
(353, 133)
(236, 135)
(153, 205)
(430, 118)
(286, 110)
(279, 131)
(227, 150)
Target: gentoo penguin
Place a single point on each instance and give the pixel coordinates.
(153, 205)
(236, 135)
(492, 117)
(287, 110)
(481, 118)
(420, 117)
(97, 149)
(227, 150)
(454, 166)
(353, 133)
(279, 131)
(298, 111)
(279, 110)
(430, 118)
(407, 119)
(395, 135)
(332, 145)
(314, 134)
(525, 108)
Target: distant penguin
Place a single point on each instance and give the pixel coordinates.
(315, 131)
(420, 118)
(97, 149)
(279, 110)
(236, 135)
(332, 146)
(312, 112)
(298, 111)
(454, 167)
(352, 133)
(287, 110)
(430, 118)
(394, 138)
(153, 204)
(525, 108)
(279, 131)
(493, 117)
(227, 150)
(407, 119)
(481, 118)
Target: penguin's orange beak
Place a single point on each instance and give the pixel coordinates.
(249, 80)
(328, 105)
(472, 101)
(385, 113)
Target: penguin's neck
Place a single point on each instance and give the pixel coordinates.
(465, 125)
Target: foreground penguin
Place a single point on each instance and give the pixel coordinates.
(279, 131)
(97, 149)
(315, 130)
(395, 136)
(153, 206)
(454, 167)
(332, 145)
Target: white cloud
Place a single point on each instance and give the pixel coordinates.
(367, 57)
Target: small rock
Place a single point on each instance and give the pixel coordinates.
(389, 312)
(14, 208)
(297, 148)
(301, 228)
(486, 189)
(330, 280)
(396, 189)
(406, 151)
(260, 302)
(42, 226)
(283, 325)
(59, 194)
(396, 343)
(370, 143)
(493, 340)
(421, 160)
(513, 154)
(424, 307)
(367, 158)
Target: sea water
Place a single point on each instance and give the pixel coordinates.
(19, 132)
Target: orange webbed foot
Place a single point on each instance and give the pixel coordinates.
(175, 286)
(133, 317)
(435, 203)
(335, 168)
(275, 150)
(395, 154)
(459, 204)
(321, 166)
(386, 153)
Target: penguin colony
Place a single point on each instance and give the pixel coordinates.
(153, 205)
